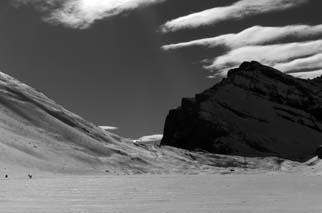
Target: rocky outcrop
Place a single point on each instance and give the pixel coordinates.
(319, 152)
(255, 111)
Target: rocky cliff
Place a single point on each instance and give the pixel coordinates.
(255, 111)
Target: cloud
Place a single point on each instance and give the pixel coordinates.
(309, 63)
(238, 10)
(308, 75)
(81, 14)
(108, 128)
(256, 35)
(294, 49)
(270, 55)
(149, 138)
(264, 45)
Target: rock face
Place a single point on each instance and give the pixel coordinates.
(255, 111)
(319, 152)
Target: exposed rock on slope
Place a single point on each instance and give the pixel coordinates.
(255, 111)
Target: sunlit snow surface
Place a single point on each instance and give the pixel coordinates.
(269, 192)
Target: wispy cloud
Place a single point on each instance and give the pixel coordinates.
(149, 138)
(238, 10)
(109, 128)
(302, 64)
(267, 54)
(82, 13)
(256, 35)
(307, 75)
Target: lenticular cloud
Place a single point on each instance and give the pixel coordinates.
(255, 35)
(293, 48)
(290, 57)
(238, 10)
(266, 45)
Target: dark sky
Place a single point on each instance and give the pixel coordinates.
(114, 73)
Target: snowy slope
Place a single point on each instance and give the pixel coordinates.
(37, 133)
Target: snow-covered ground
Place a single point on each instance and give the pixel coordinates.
(79, 167)
(265, 192)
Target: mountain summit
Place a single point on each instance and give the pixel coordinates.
(255, 111)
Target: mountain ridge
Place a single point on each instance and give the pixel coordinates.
(38, 136)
